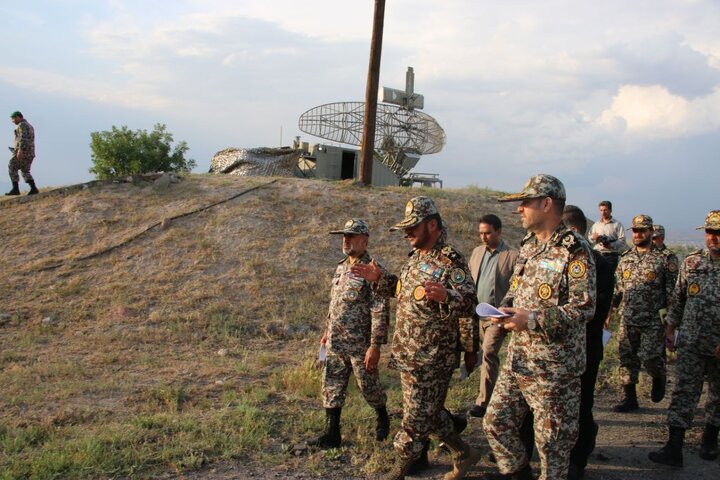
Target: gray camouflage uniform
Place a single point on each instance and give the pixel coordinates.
(695, 312)
(556, 281)
(357, 318)
(25, 143)
(642, 287)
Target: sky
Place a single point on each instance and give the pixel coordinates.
(620, 100)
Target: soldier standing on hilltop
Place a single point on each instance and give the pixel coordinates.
(658, 239)
(434, 290)
(695, 312)
(357, 327)
(23, 154)
(551, 298)
(643, 284)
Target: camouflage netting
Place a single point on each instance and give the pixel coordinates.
(280, 162)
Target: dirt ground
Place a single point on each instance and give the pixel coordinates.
(623, 443)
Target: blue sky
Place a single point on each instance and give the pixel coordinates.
(620, 100)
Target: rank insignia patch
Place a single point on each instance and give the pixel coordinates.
(398, 287)
(577, 268)
(545, 291)
(651, 276)
(419, 293)
(514, 284)
(693, 289)
(457, 275)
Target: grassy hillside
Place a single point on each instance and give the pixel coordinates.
(195, 341)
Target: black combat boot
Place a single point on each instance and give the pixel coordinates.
(629, 402)
(658, 389)
(399, 470)
(331, 437)
(33, 188)
(382, 424)
(524, 473)
(671, 454)
(709, 444)
(421, 463)
(464, 456)
(15, 189)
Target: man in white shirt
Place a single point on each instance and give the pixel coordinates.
(608, 234)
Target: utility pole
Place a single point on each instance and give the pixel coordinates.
(371, 93)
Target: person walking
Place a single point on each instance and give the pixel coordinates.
(23, 155)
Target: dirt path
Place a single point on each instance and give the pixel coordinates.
(623, 443)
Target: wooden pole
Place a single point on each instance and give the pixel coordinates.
(371, 93)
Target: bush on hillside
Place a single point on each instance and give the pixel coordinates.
(124, 152)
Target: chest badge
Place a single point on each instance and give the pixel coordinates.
(514, 284)
(626, 274)
(352, 295)
(398, 288)
(545, 291)
(419, 293)
(457, 275)
(651, 276)
(577, 269)
(693, 289)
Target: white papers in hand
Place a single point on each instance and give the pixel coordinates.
(606, 337)
(487, 310)
(322, 353)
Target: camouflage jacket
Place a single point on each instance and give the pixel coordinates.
(643, 285)
(426, 332)
(357, 317)
(695, 304)
(672, 263)
(556, 280)
(25, 139)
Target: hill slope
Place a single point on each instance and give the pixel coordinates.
(193, 341)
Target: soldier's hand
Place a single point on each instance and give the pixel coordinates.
(323, 340)
(368, 271)
(19, 154)
(372, 357)
(517, 322)
(435, 291)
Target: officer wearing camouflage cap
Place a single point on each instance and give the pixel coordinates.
(434, 291)
(694, 313)
(551, 298)
(658, 239)
(357, 324)
(643, 285)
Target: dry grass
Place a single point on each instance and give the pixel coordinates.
(194, 342)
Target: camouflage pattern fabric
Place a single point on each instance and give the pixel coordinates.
(643, 285)
(641, 345)
(671, 264)
(556, 280)
(357, 318)
(538, 186)
(695, 309)
(25, 143)
(425, 340)
(335, 380)
(555, 404)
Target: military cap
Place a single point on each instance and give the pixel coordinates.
(354, 226)
(641, 222)
(712, 221)
(658, 231)
(541, 185)
(16, 114)
(416, 210)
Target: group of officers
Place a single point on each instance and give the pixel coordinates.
(555, 295)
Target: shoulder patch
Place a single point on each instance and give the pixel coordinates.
(569, 241)
(450, 252)
(527, 238)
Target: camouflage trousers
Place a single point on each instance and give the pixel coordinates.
(23, 165)
(554, 401)
(641, 345)
(336, 375)
(424, 393)
(691, 369)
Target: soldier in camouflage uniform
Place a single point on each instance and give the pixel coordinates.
(695, 313)
(433, 292)
(643, 284)
(551, 298)
(23, 155)
(357, 327)
(658, 239)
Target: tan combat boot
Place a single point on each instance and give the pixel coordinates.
(399, 469)
(464, 456)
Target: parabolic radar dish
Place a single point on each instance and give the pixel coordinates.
(410, 131)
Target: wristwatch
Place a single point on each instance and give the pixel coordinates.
(532, 321)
